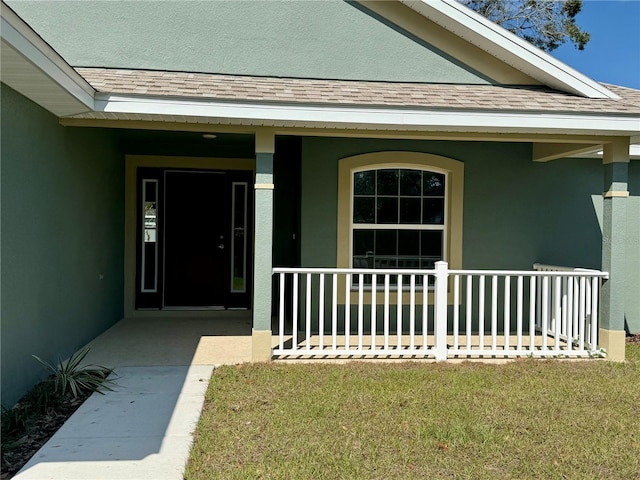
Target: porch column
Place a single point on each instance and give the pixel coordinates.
(263, 220)
(614, 223)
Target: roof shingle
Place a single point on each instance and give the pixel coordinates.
(356, 93)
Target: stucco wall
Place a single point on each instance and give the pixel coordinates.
(516, 212)
(632, 253)
(62, 239)
(310, 39)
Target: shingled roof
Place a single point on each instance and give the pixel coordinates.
(234, 88)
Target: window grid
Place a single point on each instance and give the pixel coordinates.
(366, 184)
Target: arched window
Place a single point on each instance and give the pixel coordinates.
(399, 210)
(399, 217)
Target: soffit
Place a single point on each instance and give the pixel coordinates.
(31, 67)
(31, 82)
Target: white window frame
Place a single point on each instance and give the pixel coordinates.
(452, 248)
(444, 227)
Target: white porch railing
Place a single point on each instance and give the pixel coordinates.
(567, 327)
(438, 313)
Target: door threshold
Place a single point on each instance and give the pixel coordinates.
(205, 309)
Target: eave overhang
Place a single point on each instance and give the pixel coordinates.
(34, 69)
(261, 114)
(509, 48)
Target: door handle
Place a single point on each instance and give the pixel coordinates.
(221, 246)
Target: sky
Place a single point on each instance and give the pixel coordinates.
(613, 52)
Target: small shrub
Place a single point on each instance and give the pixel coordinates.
(42, 397)
(71, 376)
(14, 421)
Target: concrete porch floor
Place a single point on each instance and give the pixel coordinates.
(221, 338)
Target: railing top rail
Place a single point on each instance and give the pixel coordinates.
(364, 271)
(386, 271)
(561, 268)
(533, 273)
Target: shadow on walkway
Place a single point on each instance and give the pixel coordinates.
(144, 429)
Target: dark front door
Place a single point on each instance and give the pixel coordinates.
(193, 239)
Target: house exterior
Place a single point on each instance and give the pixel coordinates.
(163, 158)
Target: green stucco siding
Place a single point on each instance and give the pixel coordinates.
(632, 251)
(632, 301)
(308, 39)
(516, 212)
(632, 259)
(62, 239)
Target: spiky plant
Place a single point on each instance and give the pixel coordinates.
(72, 376)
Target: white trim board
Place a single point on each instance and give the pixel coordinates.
(508, 47)
(374, 118)
(18, 36)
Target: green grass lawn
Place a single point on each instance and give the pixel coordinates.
(363, 420)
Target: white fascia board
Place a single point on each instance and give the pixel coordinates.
(508, 47)
(21, 37)
(375, 118)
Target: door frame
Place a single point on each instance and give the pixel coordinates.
(132, 163)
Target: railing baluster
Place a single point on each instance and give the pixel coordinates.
(507, 312)
(545, 311)
(386, 311)
(374, 307)
(399, 313)
(321, 312)
(347, 311)
(425, 312)
(588, 311)
(481, 313)
(469, 295)
(296, 307)
(557, 307)
(533, 313)
(281, 314)
(582, 314)
(539, 306)
(563, 306)
(595, 289)
(569, 316)
(334, 311)
(308, 313)
(360, 310)
(494, 312)
(412, 311)
(456, 311)
(520, 301)
(576, 308)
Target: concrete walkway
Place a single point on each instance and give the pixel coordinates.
(144, 429)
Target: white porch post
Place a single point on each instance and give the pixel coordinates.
(263, 263)
(440, 310)
(614, 222)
